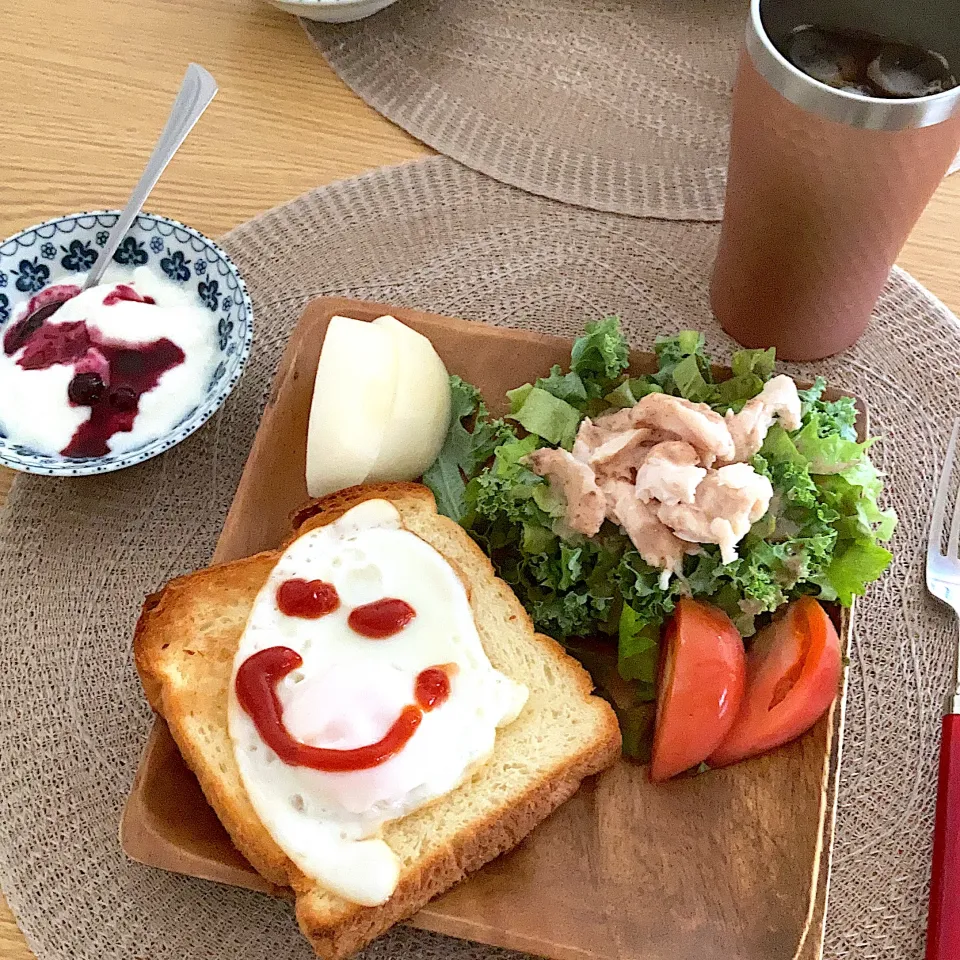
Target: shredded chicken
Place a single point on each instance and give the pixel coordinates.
(728, 501)
(621, 456)
(586, 505)
(781, 398)
(590, 436)
(655, 542)
(613, 490)
(670, 473)
(778, 400)
(616, 420)
(695, 423)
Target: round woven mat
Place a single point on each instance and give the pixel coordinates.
(618, 105)
(78, 556)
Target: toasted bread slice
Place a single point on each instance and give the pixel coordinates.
(185, 644)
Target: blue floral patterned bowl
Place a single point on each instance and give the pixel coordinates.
(57, 250)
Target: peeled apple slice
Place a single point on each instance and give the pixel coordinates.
(421, 410)
(353, 400)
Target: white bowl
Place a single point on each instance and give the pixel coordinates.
(56, 250)
(332, 11)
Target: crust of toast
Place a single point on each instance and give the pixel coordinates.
(184, 645)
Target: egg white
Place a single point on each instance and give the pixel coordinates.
(351, 689)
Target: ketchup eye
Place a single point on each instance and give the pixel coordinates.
(309, 599)
(381, 619)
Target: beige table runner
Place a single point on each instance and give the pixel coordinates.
(78, 556)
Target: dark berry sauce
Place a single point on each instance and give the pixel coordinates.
(44, 304)
(122, 292)
(134, 369)
(53, 343)
(124, 371)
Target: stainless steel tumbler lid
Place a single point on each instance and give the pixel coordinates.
(930, 24)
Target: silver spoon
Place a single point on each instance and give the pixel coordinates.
(196, 92)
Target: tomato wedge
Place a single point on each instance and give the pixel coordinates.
(793, 675)
(701, 686)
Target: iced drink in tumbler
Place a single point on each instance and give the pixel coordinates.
(846, 117)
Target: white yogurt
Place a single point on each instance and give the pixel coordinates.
(34, 407)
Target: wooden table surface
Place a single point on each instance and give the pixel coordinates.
(87, 91)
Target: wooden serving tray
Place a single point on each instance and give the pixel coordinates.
(732, 865)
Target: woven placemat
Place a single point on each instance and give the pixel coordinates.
(618, 105)
(78, 556)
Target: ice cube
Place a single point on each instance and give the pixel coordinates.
(905, 71)
(826, 57)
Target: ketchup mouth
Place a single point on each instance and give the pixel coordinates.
(256, 688)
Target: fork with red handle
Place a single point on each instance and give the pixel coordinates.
(943, 581)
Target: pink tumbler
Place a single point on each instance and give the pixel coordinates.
(827, 179)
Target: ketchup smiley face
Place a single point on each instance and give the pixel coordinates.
(258, 676)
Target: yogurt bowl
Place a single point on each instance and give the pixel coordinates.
(126, 370)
